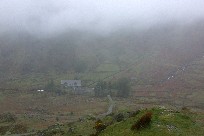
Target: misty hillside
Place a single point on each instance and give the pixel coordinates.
(157, 49)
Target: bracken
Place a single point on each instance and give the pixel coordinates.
(143, 122)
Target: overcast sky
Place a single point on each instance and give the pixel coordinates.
(60, 15)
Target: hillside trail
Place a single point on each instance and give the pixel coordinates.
(110, 108)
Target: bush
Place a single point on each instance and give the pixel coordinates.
(143, 122)
(99, 126)
(119, 117)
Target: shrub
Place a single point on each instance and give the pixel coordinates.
(99, 126)
(143, 122)
(119, 117)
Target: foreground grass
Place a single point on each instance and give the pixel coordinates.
(165, 122)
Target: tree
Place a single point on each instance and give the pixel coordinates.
(123, 87)
(100, 89)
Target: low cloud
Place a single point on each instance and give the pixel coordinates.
(96, 15)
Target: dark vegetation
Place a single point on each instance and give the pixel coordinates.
(143, 122)
(119, 117)
(99, 126)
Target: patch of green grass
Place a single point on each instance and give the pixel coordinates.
(165, 122)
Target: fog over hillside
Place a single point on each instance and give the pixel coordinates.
(78, 35)
(51, 16)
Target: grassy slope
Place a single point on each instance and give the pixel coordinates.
(164, 122)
